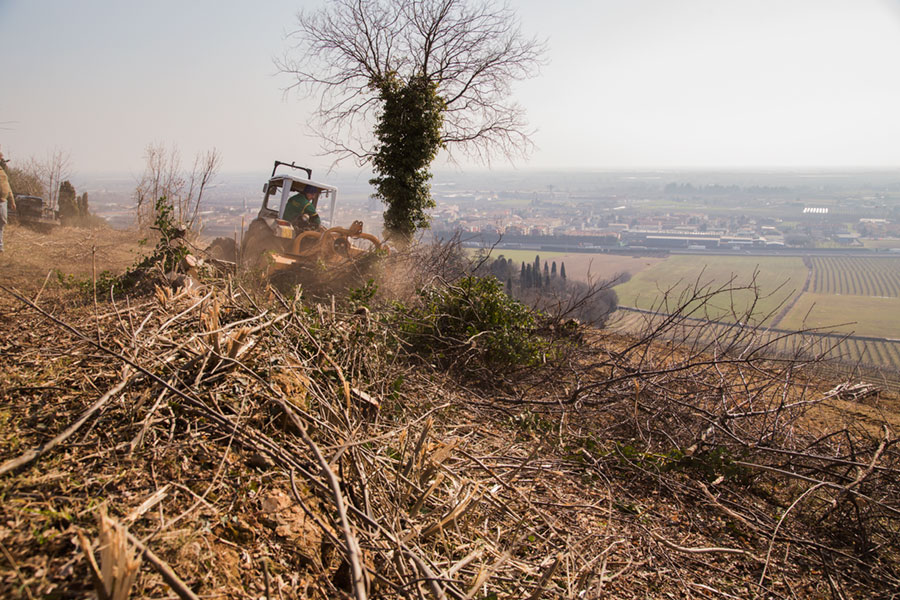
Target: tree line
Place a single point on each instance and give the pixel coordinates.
(545, 286)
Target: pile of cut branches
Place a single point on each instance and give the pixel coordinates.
(240, 443)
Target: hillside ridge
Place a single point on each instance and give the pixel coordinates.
(261, 443)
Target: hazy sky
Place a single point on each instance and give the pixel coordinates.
(629, 84)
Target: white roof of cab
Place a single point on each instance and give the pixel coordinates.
(321, 186)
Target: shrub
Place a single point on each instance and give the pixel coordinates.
(167, 255)
(168, 252)
(86, 286)
(473, 324)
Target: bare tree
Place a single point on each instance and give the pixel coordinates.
(163, 177)
(206, 166)
(27, 178)
(54, 169)
(400, 80)
(472, 51)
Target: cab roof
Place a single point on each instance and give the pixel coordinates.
(294, 179)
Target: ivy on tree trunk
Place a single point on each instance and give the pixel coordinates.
(409, 137)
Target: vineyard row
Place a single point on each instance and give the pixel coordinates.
(882, 356)
(856, 276)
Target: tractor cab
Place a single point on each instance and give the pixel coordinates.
(279, 189)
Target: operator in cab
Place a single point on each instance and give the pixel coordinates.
(301, 209)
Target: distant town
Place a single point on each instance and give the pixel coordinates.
(596, 212)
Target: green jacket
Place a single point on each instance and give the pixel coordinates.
(298, 205)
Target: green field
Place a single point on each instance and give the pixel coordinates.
(778, 279)
(861, 315)
(847, 295)
(881, 243)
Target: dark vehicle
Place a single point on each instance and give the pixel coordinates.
(33, 211)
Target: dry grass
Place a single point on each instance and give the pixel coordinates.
(261, 446)
(30, 255)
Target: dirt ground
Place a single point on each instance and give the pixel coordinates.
(33, 257)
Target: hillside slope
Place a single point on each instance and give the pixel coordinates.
(269, 446)
(30, 255)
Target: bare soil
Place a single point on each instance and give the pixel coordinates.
(31, 256)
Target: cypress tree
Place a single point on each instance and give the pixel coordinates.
(546, 270)
(67, 200)
(553, 269)
(83, 205)
(522, 280)
(562, 270)
(499, 268)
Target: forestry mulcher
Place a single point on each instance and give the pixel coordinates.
(289, 238)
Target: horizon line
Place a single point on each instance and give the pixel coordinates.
(581, 169)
